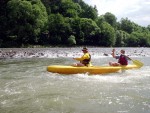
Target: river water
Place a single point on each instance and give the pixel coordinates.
(26, 86)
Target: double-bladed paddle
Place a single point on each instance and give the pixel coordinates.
(136, 62)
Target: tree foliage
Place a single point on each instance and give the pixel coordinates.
(121, 38)
(126, 25)
(27, 19)
(107, 35)
(111, 19)
(66, 23)
(88, 11)
(58, 27)
(71, 40)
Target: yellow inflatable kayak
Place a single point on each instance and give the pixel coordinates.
(91, 70)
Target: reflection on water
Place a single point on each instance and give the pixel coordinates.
(26, 86)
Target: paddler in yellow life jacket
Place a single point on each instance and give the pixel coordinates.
(85, 60)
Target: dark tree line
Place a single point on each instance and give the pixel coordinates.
(65, 23)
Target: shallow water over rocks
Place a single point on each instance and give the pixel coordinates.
(66, 52)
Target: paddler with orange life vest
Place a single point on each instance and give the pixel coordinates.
(85, 60)
(122, 59)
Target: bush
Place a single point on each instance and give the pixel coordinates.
(71, 40)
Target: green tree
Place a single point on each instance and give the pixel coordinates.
(58, 27)
(3, 22)
(76, 29)
(148, 27)
(47, 5)
(111, 19)
(141, 39)
(126, 25)
(88, 11)
(84, 29)
(107, 35)
(64, 22)
(71, 40)
(121, 37)
(132, 41)
(89, 28)
(65, 7)
(69, 8)
(27, 19)
(100, 20)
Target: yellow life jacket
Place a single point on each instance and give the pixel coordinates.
(87, 59)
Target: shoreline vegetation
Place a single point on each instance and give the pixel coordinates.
(26, 23)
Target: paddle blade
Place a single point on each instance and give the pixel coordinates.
(138, 63)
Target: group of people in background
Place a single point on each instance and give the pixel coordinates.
(85, 60)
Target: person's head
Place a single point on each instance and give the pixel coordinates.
(122, 51)
(85, 50)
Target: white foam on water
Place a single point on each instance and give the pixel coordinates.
(126, 77)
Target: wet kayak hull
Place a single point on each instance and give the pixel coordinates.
(91, 70)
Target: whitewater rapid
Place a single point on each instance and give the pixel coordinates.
(95, 52)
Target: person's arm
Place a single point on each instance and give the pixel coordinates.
(85, 56)
(113, 53)
(79, 59)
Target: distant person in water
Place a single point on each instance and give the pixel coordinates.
(85, 60)
(122, 58)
